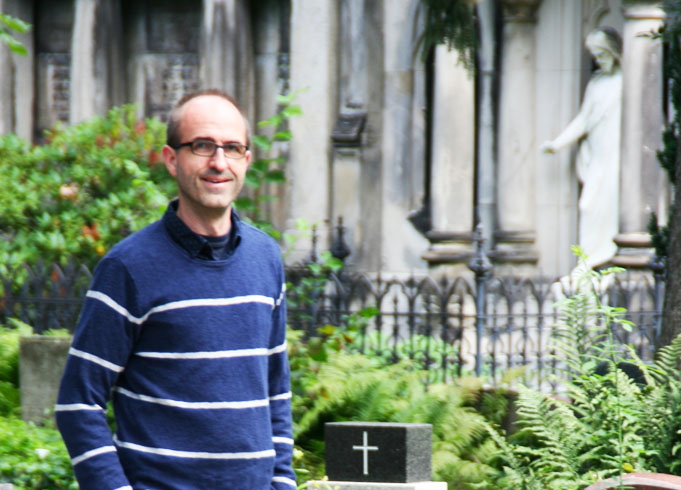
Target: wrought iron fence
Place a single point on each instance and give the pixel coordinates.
(484, 325)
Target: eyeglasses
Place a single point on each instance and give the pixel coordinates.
(208, 148)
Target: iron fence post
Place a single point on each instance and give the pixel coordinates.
(658, 267)
(481, 266)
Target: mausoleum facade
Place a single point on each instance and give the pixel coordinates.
(412, 152)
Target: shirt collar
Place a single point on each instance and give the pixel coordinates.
(196, 245)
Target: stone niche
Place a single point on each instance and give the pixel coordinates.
(162, 42)
(54, 26)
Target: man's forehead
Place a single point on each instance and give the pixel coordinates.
(209, 110)
(207, 103)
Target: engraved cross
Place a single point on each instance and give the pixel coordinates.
(365, 448)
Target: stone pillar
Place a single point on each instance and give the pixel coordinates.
(357, 149)
(643, 183)
(97, 70)
(226, 52)
(453, 161)
(314, 68)
(403, 171)
(17, 76)
(516, 233)
(270, 68)
(560, 74)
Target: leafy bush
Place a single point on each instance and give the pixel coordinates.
(617, 414)
(33, 457)
(82, 191)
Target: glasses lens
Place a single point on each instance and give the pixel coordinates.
(204, 148)
(234, 150)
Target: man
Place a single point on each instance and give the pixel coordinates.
(184, 326)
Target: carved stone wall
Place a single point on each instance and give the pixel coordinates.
(53, 28)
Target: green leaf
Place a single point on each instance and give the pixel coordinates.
(292, 110)
(244, 204)
(260, 166)
(18, 48)
(285, 99)
(273, 121)
(262, 142)
(276, 176)
(15, 24)
(253, 179)
(283, 136)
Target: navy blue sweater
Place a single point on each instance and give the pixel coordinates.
(193, 353)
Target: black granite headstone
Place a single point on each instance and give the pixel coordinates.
(378, 452)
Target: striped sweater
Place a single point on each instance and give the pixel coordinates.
(193, 354)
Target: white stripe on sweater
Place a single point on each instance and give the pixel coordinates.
(92, 453)
(73, 407)
(220, 354)
(178, 305)
(193, 405)
(281, 295)
(283, 396)
(282, 440)
(97, 360)
(269, 453)
(283, 479)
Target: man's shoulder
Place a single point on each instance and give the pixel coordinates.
(258, 239)
(138, 246)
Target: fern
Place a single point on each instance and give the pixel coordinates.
(352, 387)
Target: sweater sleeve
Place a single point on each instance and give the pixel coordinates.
(101, 346)
(280, 399)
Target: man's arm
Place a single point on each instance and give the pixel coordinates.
(280, 399)
(100, 349)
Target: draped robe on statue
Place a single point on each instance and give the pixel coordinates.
(598, 166)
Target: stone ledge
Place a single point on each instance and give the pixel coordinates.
(641, 481)
(345, 485)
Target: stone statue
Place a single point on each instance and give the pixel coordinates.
(597, 130)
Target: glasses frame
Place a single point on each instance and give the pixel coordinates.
(190, 144)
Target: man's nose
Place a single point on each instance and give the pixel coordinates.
(219, 161)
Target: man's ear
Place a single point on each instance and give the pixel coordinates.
(170, 159)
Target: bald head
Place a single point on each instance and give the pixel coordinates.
(174, 129)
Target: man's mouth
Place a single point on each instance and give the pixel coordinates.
(214, 179)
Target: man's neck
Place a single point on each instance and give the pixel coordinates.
(213, 224)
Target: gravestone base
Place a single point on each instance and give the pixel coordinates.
(350, 485)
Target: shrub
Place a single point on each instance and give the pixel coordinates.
(82, 191)
(33, 457)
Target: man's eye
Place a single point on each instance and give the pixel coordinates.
(204, 145)
(233, 148)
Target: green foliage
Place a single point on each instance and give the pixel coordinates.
(82, 191)
(668, 155)
(33, 458)
(603, 425)
(9, 368)
(268, 167)
(354, 387)
(9, 24)
(450, 22)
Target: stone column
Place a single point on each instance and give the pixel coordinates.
(402, 169)
(643, 183)
(453, 161)
(516, 234)
(314, 69)
(226, 52)
(17, 76)
(97, 70)
(560, 63)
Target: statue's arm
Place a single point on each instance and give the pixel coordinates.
(572, 132)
